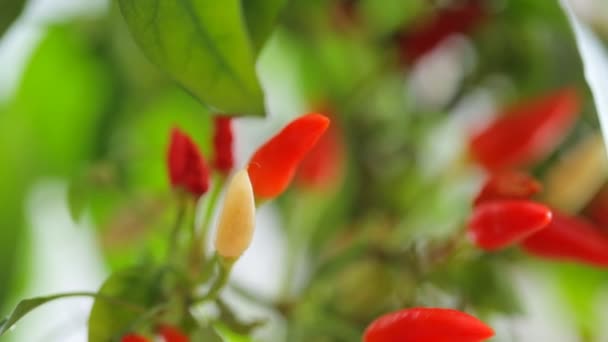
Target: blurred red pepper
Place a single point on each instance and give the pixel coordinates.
(274, 164)
(223, 159)
(427, 325)
(324, 164)
(526, 133)
(426, 35)
(172, 334)
(187, 167)
(597, 209)
(133, 338)
(508, 185)
(569, 238)
(499, 224)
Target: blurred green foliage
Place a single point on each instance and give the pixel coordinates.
(91, 110)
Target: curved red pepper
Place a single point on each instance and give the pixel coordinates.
(133, 338)
(427, 325)
(223, 159)
(446, 22)
(569, 238)
(172, 334)
(498, 224)
(274, 164)
(187, 167)
(508, 185)
(527, 132)
(323, 165)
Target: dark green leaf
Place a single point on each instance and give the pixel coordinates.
(261, 16)
(139, 286)
(203, 45)
(9, 12)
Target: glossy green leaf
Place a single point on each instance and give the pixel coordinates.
(11, 9)
(139, 286)
(261, 16)
(203, 45)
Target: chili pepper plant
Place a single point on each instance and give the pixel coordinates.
(423, 163)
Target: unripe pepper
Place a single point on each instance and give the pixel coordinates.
(425, 36)
(527, 132)
(569, 238)
(499, 224)
(187, 167)
(274, 164)
(508, 185)
(172, 334)
(223, 159)
(427, 325)
(133, 338)
(237, 218)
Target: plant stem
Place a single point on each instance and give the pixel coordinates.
(199, 241)
(181, 213)
(225, 267)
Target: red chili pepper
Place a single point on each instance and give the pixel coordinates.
(527, 132)
(569, 238)
(425, 36)
(133, 338)
(323, 165)
(273, 165)
(187, 167)
(508, 185)
(172, 334)
(498, 224)
(427, 325)
(597, 209)
(222, 144)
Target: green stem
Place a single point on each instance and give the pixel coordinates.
(200, 240)
(225, 267)
(181, 213)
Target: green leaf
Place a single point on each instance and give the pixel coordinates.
(261, 16)
(27, 305)
(203, 45)
(22, 309)
(138, 286)
(595, 61)
(11, 9)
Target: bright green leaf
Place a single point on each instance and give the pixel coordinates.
(261, 16)
(204, 45)
(139, 286)
(11, 9)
